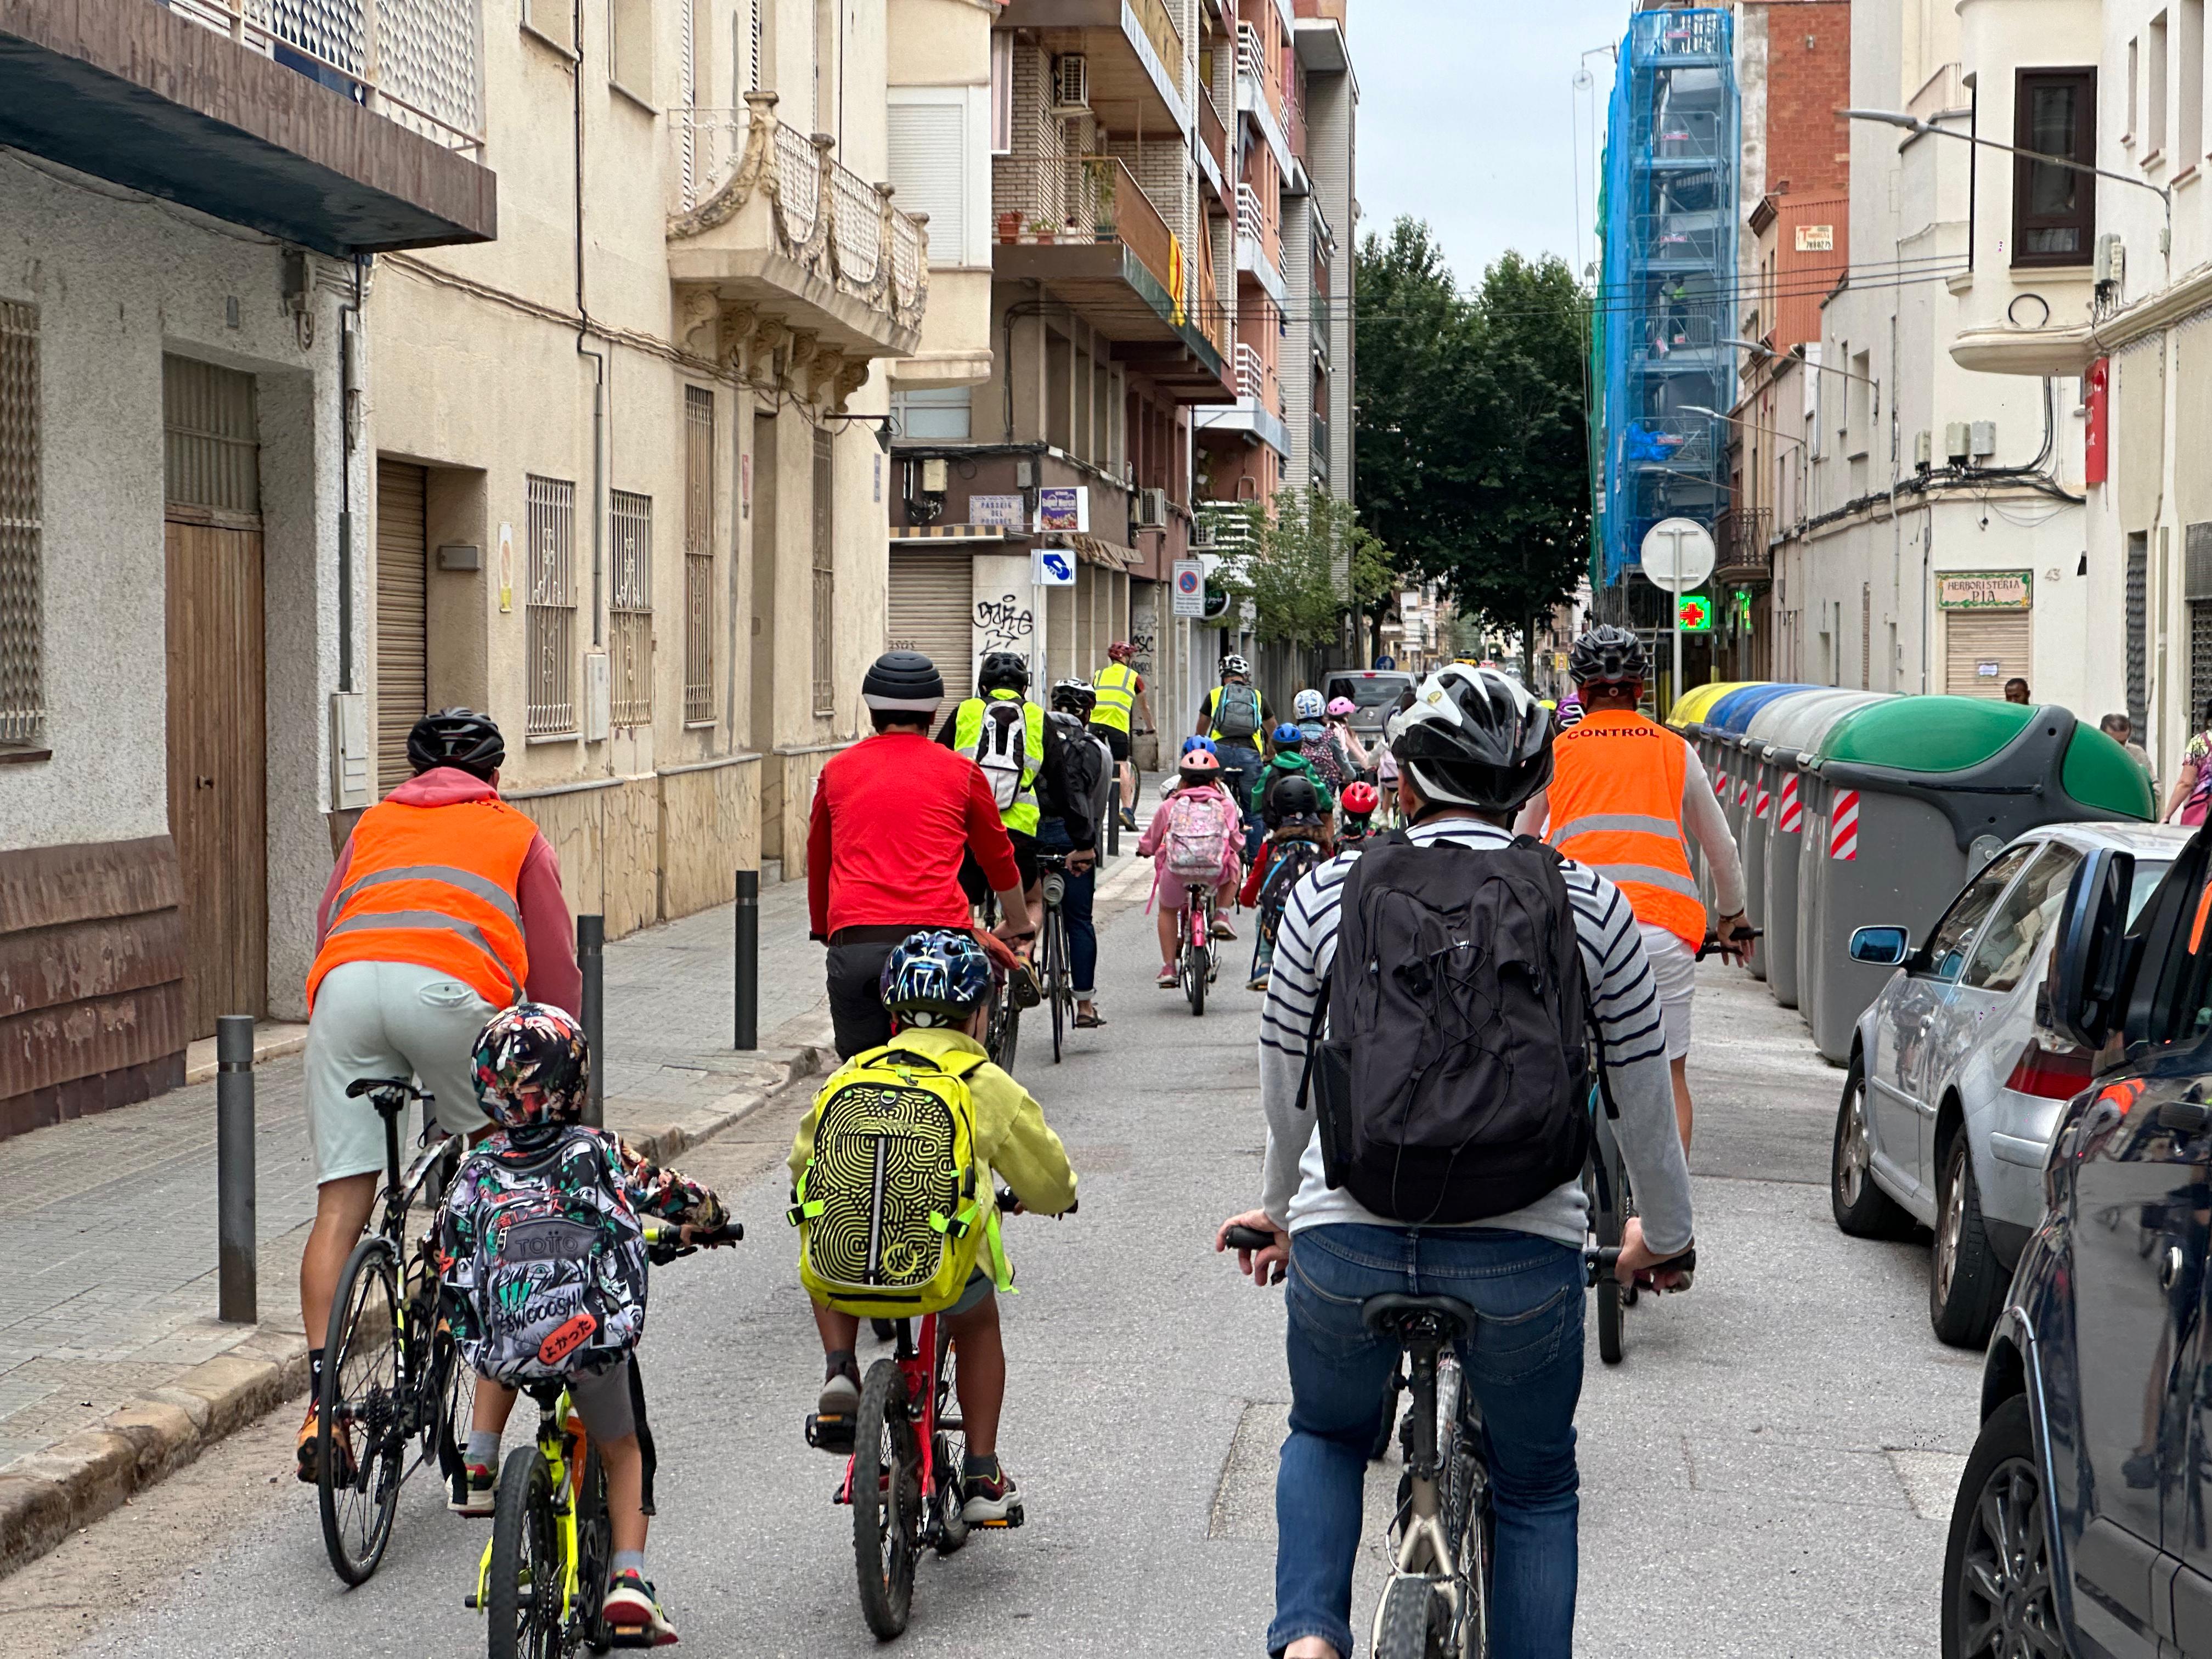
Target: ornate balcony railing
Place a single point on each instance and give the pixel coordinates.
(1741, 542)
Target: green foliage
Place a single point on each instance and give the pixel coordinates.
(1311, 560)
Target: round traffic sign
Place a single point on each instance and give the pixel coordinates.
(1678, 554)
(1188, 581)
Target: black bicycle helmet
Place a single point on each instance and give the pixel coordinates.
(1295, 798)
(1607, 656)
(456, 736)
(1074, 697)
(1475, 737)
(904, 682)
(1003, 671)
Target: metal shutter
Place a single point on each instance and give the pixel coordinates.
(928, 165)
(931, 612)
(1972, 638)
(401, 648)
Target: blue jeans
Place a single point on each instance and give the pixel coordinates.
(1075, 907)
(1524, 1365)
(1240, 770)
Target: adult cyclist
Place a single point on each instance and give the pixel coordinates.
(1234, 715)
(1470, 751)
(1120, 692)
(1073, 805)
(1624, 791)
(1009, 738)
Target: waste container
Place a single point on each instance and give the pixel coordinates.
(1908, 797)
(1782, 736)
(1734, 765)
(1688, 717)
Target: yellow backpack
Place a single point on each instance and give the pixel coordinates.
(889, 1216)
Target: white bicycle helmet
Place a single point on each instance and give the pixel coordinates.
(1308, 705)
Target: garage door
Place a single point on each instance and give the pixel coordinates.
(1983, 650)
(931, 611)
(402, 654)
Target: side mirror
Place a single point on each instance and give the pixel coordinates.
(2086, 960)
(1882, 947)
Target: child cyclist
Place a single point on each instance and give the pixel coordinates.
(936, 983)
(1194, 839)
(541, 1233)
(1297, 811)
(1356, 813)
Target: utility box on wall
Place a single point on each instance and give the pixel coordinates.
(353, 753)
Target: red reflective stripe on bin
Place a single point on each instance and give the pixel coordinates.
(1766, 799)
(1743, 793)
(1788, 816)
(1843, 826)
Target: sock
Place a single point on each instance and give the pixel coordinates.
(986, 1465)
(483, 1451)
(841, 1360)
(628, 1561)
(315, 1373)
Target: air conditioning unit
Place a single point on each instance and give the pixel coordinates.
(1982, 439)
(1956, 438)
(1151, 509)
(1071, 84)
(2112, 259)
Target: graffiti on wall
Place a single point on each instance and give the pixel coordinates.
(1004, 624)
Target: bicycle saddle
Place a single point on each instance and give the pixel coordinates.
(1440, 1318)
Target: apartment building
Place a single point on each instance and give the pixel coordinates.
(193, 194)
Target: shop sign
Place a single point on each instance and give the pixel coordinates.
(1816, 239)
(1064, 508)
(1986, 590)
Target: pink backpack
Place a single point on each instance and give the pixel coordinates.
(1199, 824)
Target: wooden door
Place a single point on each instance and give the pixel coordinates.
(218, 789)
(402, 645)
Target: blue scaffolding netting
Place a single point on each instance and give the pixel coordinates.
(1665, 307)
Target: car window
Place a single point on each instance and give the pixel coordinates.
(2148, 877)
(1946, 947)
(1369, 691)
(2007, 941)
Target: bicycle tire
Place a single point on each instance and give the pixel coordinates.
(950, 1451)
(1471, 1522)
(1607, 1222)
(524, 1621)
(1410, 1613)
(1056, 971)
(451, 1389)
(595, 1554)
(1197, 970)
(883, 1466)
(363, 1383)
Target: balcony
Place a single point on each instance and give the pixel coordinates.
(1741, 547)
(1256, 416)
(1133, 50)
(348, 129)
(1082, 227)
(1259, 94)
(761, 215)
(1213, 147)
(1259, 243)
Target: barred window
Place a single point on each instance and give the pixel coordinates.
(22, 707)
(629, 606)
(825, 578)
(549, 621)
(698, 555)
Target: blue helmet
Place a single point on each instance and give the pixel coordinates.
(938, 976)
(1207, 744)
(1287, 735)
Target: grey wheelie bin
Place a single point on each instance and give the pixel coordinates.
(1692, 716)
(1908, 797)
(1781, 735)
(1737, 787)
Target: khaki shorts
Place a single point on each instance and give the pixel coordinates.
(1674, 965)
(387, 1019)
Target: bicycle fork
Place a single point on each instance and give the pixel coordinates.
(566, 1480)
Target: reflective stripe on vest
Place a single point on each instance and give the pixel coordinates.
(1616, 800)
(435, 886)
(1116, 686)
(968, 730)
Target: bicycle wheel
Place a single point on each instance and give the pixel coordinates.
(523, 1604)
(950, 1449)
(1056, 973)
(1604, 1180)
(451, 1388)
(1411, 1616)
(1010, 1038)
(886, 1503)
(595, 1554)
(360, 1429)
(1471, 1524)
(1197, 970)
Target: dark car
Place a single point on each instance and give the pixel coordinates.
(2081, 1523)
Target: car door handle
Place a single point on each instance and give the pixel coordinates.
(2169, 1269)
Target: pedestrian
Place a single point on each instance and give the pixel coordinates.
(1234, 714)
(894, 816)
(2121, 729)
(1623, 793)
(445, 905)
(1120, 692)
(2192, 785)
(1073, 803)
(2016, 689)
(1494, 1213)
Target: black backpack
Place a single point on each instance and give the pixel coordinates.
(1453, 1085)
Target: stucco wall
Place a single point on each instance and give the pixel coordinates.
(709, 830)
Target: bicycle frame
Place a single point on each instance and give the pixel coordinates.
(917, 1364)
(1424, 1548)
(561, 1444)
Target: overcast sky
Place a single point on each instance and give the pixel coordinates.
(1469, 120)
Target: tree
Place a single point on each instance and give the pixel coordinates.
(1311, 560)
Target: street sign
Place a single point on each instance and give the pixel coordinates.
(1697, 613)
(1678, 554)
(1056, 567)
(1190, 589)
(1385, 662)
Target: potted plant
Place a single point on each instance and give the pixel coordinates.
(1041, 230)
(1010, 226)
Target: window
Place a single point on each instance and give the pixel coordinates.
(825, 576)
(935, 414)
(2154, 90)
(2189, 90)
(1947, 947)
(698, 555)
(2054, 209)
(2008, 943)
(22, 705)
(746, 49)
(630, 608)
(1002, 92)
(2138, 607)
(927, 130)
(552, 21)
(630, 47)
(2135, 92)
(549, 619)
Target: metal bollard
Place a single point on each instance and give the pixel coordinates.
(592, 961)
(236, 1301)
(747, 976)
(1114, 820)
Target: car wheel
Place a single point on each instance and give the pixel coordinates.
(1861, 1208)
(1999, 1595)
(1965, 1286)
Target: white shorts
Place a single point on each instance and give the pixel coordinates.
(387, 1019)
(1674, 965)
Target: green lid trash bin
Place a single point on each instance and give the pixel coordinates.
(1763, 797)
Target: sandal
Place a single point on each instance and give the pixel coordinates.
(1168, 979)
(1090, 1022)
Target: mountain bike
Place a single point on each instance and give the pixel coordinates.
(543, 1577)
(1055, 968)
(391, 1373)
(1195, 966)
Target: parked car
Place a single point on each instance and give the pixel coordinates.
(1957, 1078)
(1373, 691)
(2080, 1521)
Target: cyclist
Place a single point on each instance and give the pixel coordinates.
(1338, 715)
(1286, 758)
(1177, 832)
(532, 1070)
(936, 984)
(1623, 792)
(445, 904)
(1470, 753)
(1072, 808)
(1356, 813)
(1233, 715)
(1009, 738)
(1299, 835)
(893, 820)
(1121, 690)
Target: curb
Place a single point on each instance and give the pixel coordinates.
(44, 1496)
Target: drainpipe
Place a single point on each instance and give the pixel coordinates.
(349, 435)
(599, 358)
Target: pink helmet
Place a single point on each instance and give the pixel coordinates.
(1342, 708)
(1199, 766)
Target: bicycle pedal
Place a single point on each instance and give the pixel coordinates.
(470, 1603)
(629, 1636)
(1014, 1518)
(830, 1434)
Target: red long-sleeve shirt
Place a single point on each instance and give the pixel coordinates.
(892, 815)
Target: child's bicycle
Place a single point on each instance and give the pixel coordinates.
(544, 1575)
(1195, 966)
(1293, 857)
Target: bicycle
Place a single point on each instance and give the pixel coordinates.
(1057, 970)
(1002, 1032)
(390, 1371)
(1295, 856)
(543, 1577)
(1195, 964)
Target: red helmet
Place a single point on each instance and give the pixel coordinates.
(1360, 800)
(1200, 765)
(1121, 651)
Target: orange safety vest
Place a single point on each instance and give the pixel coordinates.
(435, 885)
(1616, 799)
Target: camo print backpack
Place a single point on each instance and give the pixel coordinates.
(545, 1271)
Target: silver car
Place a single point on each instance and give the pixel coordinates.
(1957, 1079)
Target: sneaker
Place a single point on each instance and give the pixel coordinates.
(988, 1499)
(1222, 928)
(630, 1610)
(304, 1451)
(1168, 979)
(841, 1396)
(1258, 982)
(479, 1492)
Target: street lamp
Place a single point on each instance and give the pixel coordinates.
(1760, 350)
(1737, 420)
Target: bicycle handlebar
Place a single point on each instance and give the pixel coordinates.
(1596, 1262)
(664, 1240)
(1009, 1204)
(1741, 936)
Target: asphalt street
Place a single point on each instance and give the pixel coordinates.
(1768, 1473)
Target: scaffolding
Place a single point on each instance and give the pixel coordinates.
(1660, 346)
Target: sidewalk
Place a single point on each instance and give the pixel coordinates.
(113, 1370)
